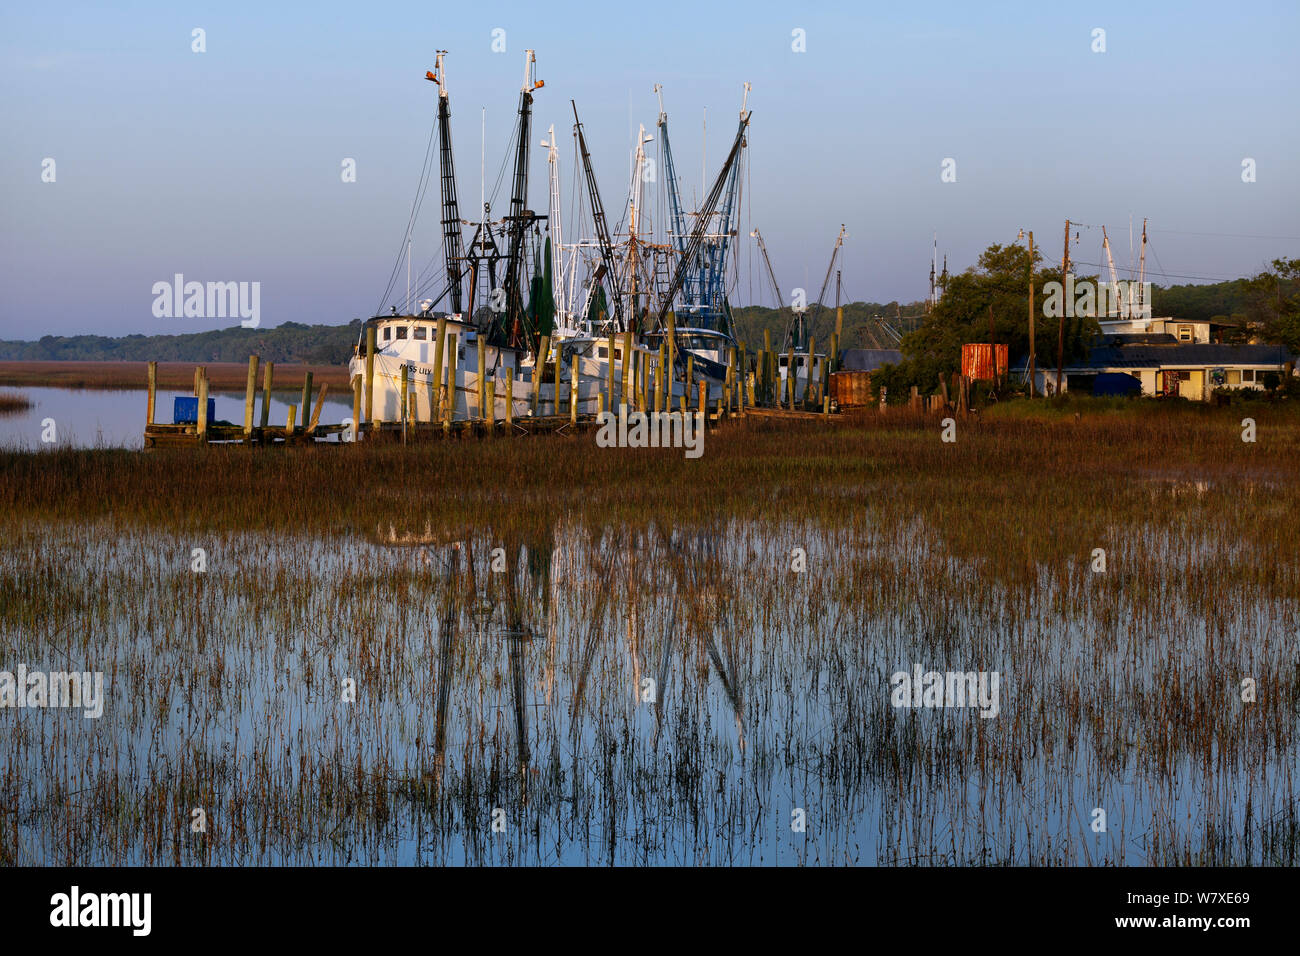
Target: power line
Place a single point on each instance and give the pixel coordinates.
(1167, 275)
(1225, 235)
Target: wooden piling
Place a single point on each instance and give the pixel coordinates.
(539, 371)
(671, 343)
(657, 374)
(356, 406)
(809, 394)
(153, 391)
(767, 358)
(288, 425)
(448, 391)
(250, 396)
(731, 378)
(638, 387)
(370, 376)
(268, 373)
(510, 396)
(492, 399)
(482, 374)
(405, 390)
(573, 389)
(791, 377)
(609, 356)
(202, 428)
(315, 414)
(436, 407)
(306, 396)
(453, 364)
(624, 367)
(401, 401)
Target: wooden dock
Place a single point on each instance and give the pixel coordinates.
(301, 430)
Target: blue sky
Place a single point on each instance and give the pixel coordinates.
(225, 165)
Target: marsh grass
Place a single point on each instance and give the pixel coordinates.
(10, 403)
(523, 692)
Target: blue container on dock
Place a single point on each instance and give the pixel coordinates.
(186, 410)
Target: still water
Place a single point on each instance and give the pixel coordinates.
(663, 698)
(112, 418)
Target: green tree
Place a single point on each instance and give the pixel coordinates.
(1275, 303)
(987, 303)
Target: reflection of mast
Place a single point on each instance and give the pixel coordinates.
(446, 638)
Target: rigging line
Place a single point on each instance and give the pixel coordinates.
(410, 222)
(418, 203)
(505, 159)
(1167, 275)
(1222, 235)
(749, 175)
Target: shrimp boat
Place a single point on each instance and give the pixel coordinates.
(410, 342)
(801, 372)
(467, 362)
(497, 344)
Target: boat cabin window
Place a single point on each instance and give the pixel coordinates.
(602, 352)
(401, 331)
(388, 333)
(784, 361)
(421, 332)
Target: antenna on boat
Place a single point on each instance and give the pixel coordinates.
(482, 168)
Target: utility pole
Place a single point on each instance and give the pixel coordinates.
(1032, 322)
(1060, 335)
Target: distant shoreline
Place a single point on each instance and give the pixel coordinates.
(222, 376)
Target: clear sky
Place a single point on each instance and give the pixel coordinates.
(225, 165)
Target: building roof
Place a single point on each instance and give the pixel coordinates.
(1140, 338)
(868, 360)
(1196, 353)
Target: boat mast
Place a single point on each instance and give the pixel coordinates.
(520, 217)
(608, 265)
(1113, 304)
(452, 239)
(1142, 272)
(701, 226)
(556, 226)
